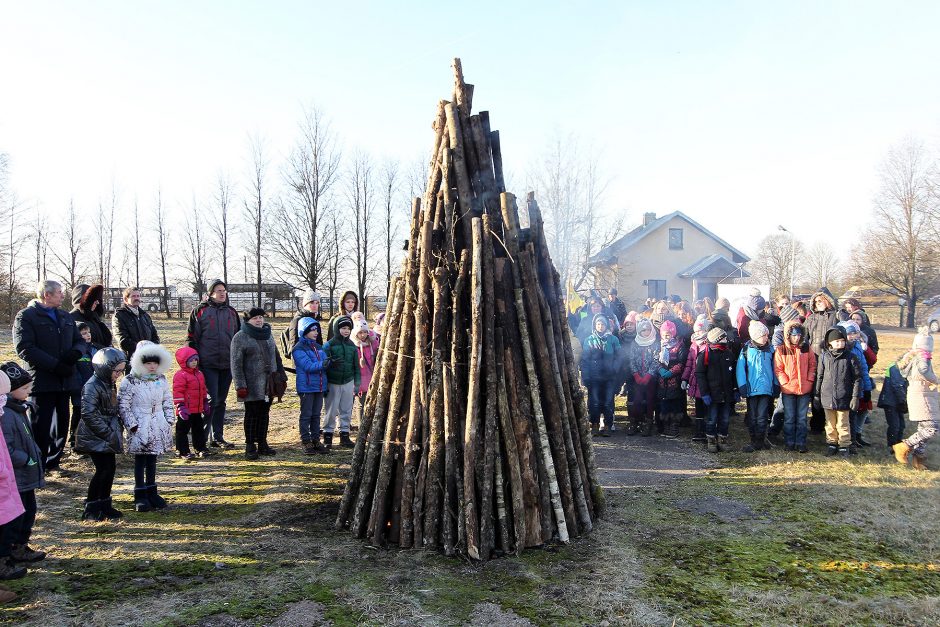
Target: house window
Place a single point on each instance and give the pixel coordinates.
(675, 239)
(656, 288)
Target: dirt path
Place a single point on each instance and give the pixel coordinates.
(635, 461)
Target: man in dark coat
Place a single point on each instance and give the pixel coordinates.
(823, 316)
(212, 325)
(616, 305)
(131, 324)
(46, 338)
(88, 307)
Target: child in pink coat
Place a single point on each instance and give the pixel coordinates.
(689, 383)
(367, 346)
(11, 507)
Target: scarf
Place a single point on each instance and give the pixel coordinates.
(667, 347)
(264, 333)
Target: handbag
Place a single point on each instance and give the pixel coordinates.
(276, 385)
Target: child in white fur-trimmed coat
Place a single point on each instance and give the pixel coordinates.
(923, 400)
(145, 401)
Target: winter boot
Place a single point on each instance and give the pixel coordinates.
(6, 596)
(722, 443)
(9, 570)
(633, 426)
(328, 441)
(141, 501)
(844, 452)
(917, 461)
(92, 511)
(901, 452)
(108, 511)
(251, 451)
(344, 441)
(757, 443)
(309, 448)
(699, 434)
(22, 553)
(595, 429)
(712, 443)
(647, 427)
(264, 449)
(831, 450)
(156, 501)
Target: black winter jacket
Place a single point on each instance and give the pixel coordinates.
(715, 373)
(292, 338)
(24, 452)
(893, 390)
(129, 329)
(817, 323)
(83, 297)
(100, 429)
(838, 379)
(45, 345)
(211, 328)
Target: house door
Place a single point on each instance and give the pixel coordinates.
(705, 289)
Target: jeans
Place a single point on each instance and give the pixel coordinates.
(99, 488)
(218, 382)
(18, 530)
(795, 427)
(719, 415)
(52, 425)
(311, 404)
(758, 410)
(601, 401)
(857, 421)
(777, 418)
(895, 420)
(145, 471)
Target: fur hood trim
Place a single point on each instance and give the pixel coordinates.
(149, 349)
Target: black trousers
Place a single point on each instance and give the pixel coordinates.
(99, 488)
(145, 471)
(183, 429)
(18, 530)
(76, 398)
(257, 418)
(52, 425)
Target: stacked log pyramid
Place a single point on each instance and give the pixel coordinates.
(474, 435)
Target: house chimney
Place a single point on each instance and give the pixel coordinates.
(648, 218)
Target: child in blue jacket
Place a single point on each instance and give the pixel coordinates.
(311, 363)
(757, 382)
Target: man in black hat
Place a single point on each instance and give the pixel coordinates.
(616, 305)
(212, 325)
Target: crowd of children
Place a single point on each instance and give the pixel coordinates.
(786, 361)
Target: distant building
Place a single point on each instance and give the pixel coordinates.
(673, 254)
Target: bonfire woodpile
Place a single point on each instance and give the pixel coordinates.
(474, 435)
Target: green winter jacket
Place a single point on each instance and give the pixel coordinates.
(343, 356)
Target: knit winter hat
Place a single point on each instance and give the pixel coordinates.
(756, 302)
(923, 340)
(849, 327)
(717, 335)
(631, 317)
(757, 329)
(344, 321)
(834, 334)
(601, 317)
(254, 311)
(214, 283)
(17, 375)
(788, 313)
(360, 326)
(4, 384)
(701, 324)
(668, 326)
(723, 303)
(645, 333)
(310, 296)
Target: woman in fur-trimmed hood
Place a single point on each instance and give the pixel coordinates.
(146, 405)
(88, 307)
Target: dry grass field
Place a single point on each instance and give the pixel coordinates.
(795, 539)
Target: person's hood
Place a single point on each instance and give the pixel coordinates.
(212, 285)
(866, 321)
(347, 294)
(183, 355)
(92, 294)
(304, 325)
(77, 293)
(824, 291)
(645, 333)
(603, 318)
(149, 349)
(791, 324)
(720, 318)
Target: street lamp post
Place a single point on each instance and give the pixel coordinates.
(792, 255)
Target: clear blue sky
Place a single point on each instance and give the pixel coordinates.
(737, 113)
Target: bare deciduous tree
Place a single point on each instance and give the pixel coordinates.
(255, 206)
(219, 224)
(359, 196)
(104, 240)
(69, 254)
(821, 265)
(310, 173)
(334, 254)
(163, 248)
(773, 262)
(195, 255)
(39, 236)
(903, 258)
(390, 184)
(136, 245)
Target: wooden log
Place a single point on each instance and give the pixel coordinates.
(451, 465)
(481, 143)
(496, 149)
(460, 171)
(511, 222)
(502, 516)
(516, 491)
(436, 445)
(487, 523)
(379, 389)
(447, 184)
(471, 428)
(457, 411)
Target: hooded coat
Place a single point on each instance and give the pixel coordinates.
(817, 323)
(714, 371)
(342, 312)
(146, 403)
(893, 390)
(367, 351)
(100, 429)
(85, 310)
(189, 384)
(343, 357)
(838, 379)
(129, 328)
(24, 452)
(923, 400)
(600, 357)
(795, 367)
(755, 370)
(310, 360)
(254, 357)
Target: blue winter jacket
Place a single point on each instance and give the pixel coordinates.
(309, 360)
(755, 370)
(867, 385)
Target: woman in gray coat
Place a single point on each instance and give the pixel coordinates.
(254, 360)
(100, 432)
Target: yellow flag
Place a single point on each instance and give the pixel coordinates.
(575, 301)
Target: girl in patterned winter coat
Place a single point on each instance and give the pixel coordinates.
(644, 369)
(672, 356)
(689, 380)
(922, 400)
(146, 405)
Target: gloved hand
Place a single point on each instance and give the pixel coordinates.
(71, 356)
(707, 399)
(864, 346)
(638, 378)
(684, 385)
(646, 378)
(63, 370)
(745, 390)
(853, 404)
(182, 412)
(665, 373)
(242, 393)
